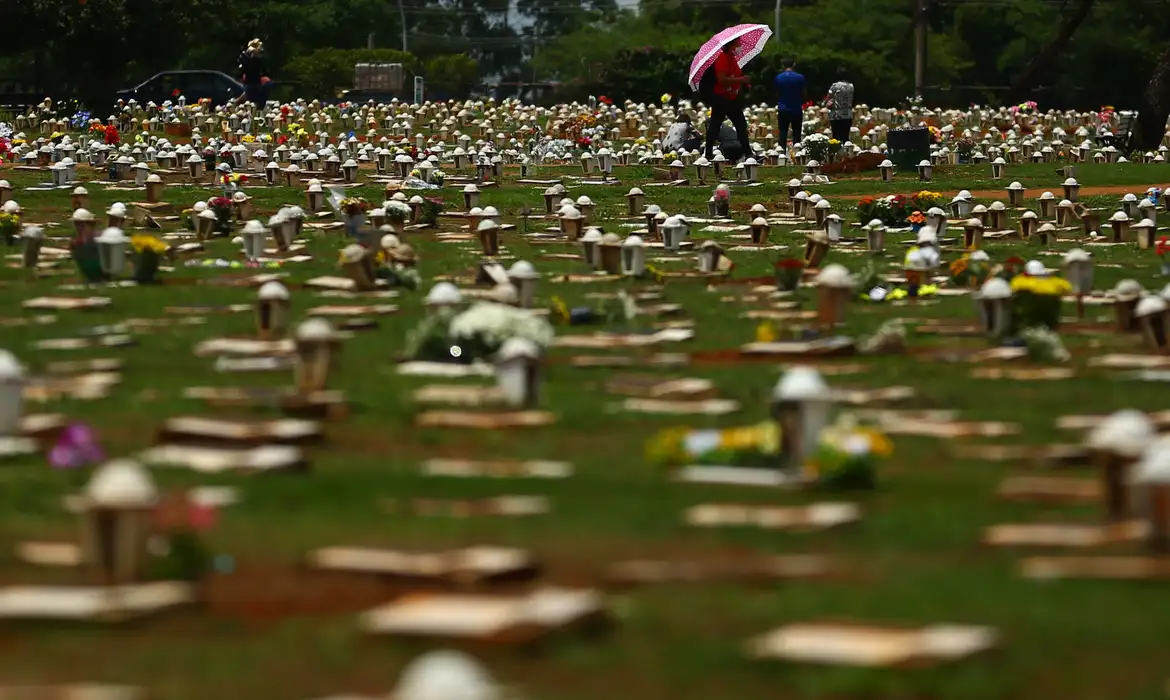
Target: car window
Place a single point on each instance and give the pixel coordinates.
(200, 85)
(165, 84)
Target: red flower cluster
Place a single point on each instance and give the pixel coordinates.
(584, 142)
(111, 136)
(604, 100)
(1162, 246)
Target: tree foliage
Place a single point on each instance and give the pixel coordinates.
(977, 48)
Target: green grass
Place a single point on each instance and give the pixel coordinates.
(915, 558)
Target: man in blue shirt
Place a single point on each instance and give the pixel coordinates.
(790, 97)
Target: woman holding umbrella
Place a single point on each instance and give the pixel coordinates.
(716, 73)
(724, 99)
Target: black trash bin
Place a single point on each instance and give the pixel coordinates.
(908, 147)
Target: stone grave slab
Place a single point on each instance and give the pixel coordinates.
(518, 619)
(842, 644)
(817, 516)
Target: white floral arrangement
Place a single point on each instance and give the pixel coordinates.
(397, 211)
(1044, 345)
(890, 338)
(437, 177)
(487, 325)
(5, 130)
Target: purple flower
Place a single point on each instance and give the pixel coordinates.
(76, 447)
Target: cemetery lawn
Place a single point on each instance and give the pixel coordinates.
(276, 632)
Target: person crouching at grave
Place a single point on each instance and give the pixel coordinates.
(682, 135)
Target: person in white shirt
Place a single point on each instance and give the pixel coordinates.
(840, 104)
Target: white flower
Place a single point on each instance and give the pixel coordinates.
(1044, 345)
(495, 323)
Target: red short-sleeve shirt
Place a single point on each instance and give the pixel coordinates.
(726, 67)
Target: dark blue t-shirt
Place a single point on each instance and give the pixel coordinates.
(790, 86)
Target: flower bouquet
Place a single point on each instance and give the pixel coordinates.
(745, 446)
(916, 220)
(9, 227)
(148, 252)
(965, 148)
(1038, 300)
(475, 334)
(1010, 268)
(722, 198)
(437, 177)
(397, 212)
(891, 210)
(354, 206)
(222, 206)
(431, 208)
(966, 272)
(788, 273)
(179, 521)
(354, 210)
(84, 252)
(848, 455)
(1045, 346)
(1160, 249)
(926, 199)
(817, 147)
(396, 275)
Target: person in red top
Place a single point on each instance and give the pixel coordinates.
(723, 99)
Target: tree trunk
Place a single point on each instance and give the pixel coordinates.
(1044, 60)
(1155, 106)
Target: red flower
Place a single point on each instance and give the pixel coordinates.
(176, 92)
(243, 178)
(111, 136)
(1162, 246)
(604, 100)
(284, 110)
(282, 140)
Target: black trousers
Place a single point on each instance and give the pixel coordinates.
(784, 120)
(840, 128)
(723, 108)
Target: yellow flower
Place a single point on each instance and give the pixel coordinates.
(1045, 286)
(765, 333)
(769, 438)
(142, 243)
(560, 309)
(927, 290)
(879, 444)
(668, 448)
(655, 274)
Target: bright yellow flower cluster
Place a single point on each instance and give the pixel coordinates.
(142, 243)
(560, 310)
(1044, 286)
(763, 437)
(668, 447)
